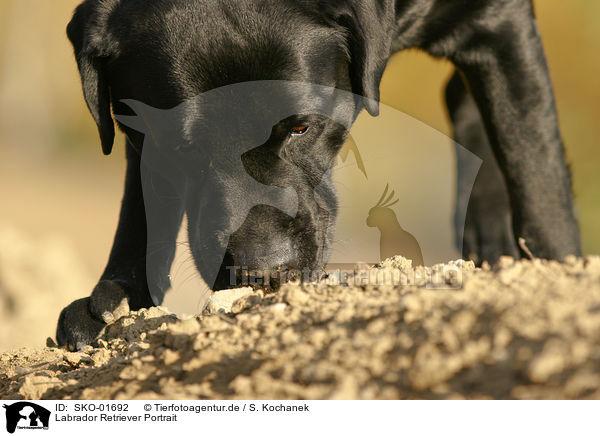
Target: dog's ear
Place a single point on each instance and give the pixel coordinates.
(369, 35)
(92, 52)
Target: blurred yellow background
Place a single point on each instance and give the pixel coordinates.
(55, 180)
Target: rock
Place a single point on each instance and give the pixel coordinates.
(222, 301)
(100, 357)
(295, 296)
(35, 386)
(102, 343)
(155, 312)
(75, 358)
(247, 302)
(170, 357)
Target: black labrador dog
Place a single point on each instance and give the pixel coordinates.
(163, 52)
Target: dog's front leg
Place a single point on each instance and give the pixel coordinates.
(499, 52)
(124, 283)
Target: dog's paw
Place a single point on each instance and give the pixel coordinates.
(487, 237)
(108, 301)
(80, 322)
(76, 325)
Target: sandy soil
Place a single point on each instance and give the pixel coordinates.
(528, 329)
(38, 277)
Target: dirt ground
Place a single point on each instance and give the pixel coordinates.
(528, 330)
(38, 277)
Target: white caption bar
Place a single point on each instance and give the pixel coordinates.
(296, 417)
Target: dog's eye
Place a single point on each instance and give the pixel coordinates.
(299, 130)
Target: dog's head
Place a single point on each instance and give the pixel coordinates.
(179, 63)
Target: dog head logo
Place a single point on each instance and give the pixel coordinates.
(234, 171)
(26, 415)
(260, 171)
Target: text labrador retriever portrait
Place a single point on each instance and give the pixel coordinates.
(216, 212)
(162, 53)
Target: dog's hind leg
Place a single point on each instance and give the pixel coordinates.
(124, 283)
(487, 233)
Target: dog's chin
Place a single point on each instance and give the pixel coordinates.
(268, 272)
(231, 269)
(267, 246)
(269, 278)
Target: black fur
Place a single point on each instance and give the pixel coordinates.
(500, 101)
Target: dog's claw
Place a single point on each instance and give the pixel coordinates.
(80, 322)
(109, 301)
